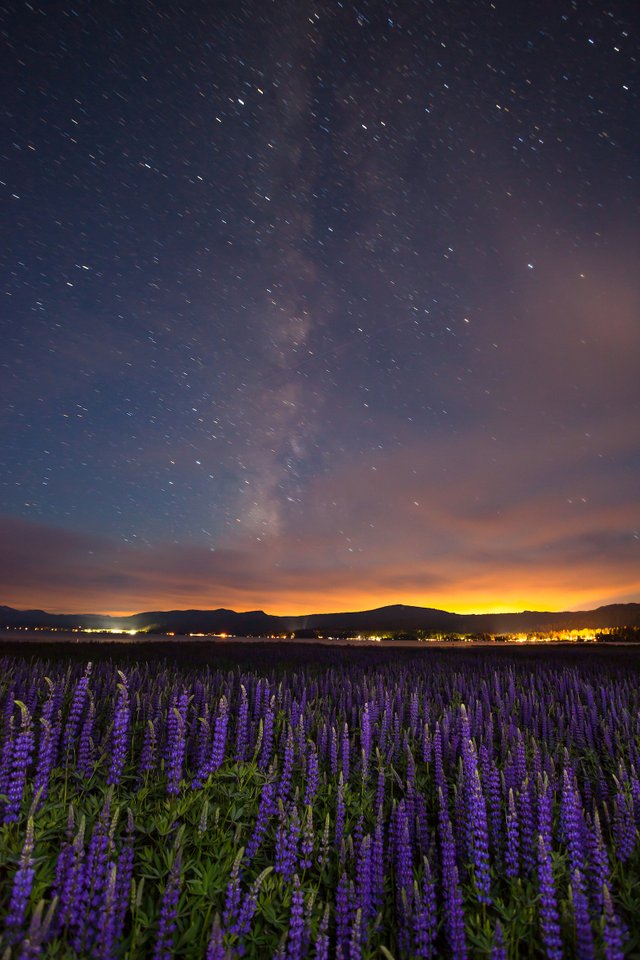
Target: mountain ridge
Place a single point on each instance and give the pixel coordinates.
(393, 617)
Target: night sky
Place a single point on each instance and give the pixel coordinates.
(313, 306)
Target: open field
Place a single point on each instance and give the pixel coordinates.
(204, 800)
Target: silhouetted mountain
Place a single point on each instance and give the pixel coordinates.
(397, 617)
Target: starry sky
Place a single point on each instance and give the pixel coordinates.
(311, 306)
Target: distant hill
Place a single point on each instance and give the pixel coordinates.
(397, 617)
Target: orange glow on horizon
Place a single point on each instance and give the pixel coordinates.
(307, 603)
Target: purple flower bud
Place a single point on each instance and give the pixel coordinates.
(21, 888)
(76, 710)
(425, 920)
(219, 745)
(242, 925)
(266, 810)
(584, 933)
(512, 853)
(498, 950)
(296, 922)
(624, 828)
(340, 814)
(163, 948)
(267, 737)
(308, 839)
(322, 940)
(215, 947)
(232, 897)
(85, 748)
(242, 729)
(20, 761)
(120, 733)
(343, 915)
(452, 894)
(613, 936)
(549, 918)
(177, 744)
(148, 752)
(312, 775)
(287, 767)
(345, 753)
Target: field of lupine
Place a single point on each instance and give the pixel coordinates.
(321, 804)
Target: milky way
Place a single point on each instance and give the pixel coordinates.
(320, 305)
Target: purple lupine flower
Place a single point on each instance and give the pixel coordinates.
(232, 896)
(287, 842)
(635, 792)
(480, 841)
(572, 822)
(31, 946)
(545, 812)
(512, 853)
(613, 936)
(377, 862)
(549, 918)
(125, 874)
(624, 828)
(599, 861)
(323, 854)
(338, 832)
(46, 747)
(69, 877)
(357, 835)
(242, 925)
(452, 895)
(242, 729)
(284, 783)
(427, 744)
(527, 830)
(76, 710)
(403, 863)
(322, 939)
(7, 745)
(20, 761)
(120, 732)
(219, 746)
(498, 950)
(293, 837)
(177, 745)
(333, 752)
(267, 736)
(440, 779)
(308, 839)
(584, 933)
(202, 737)
(425, 921)
(215, 947)
(312, 775)
(355, 938)
(266, 810)
(296, 922)
(343, 915)
(364, 882)
(148, 751)
(365, 733)
(88, 899)
(163, 948)
(21, 888)
(107, 923)
(380, 788)
(85, 747)
(414, 712)
(345, 753)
